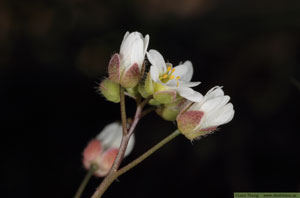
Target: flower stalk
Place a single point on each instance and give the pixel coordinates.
(125, 139)
(85, 181)
(111, 177)
(123, 111)
(146, 154)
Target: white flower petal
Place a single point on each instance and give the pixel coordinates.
(214, 103)
(136, 54)
(222, 116)
(185, 71)
(154, 74)
(146, 43)
(214, 92)
(157, 60)
(130, 145)
(173, 83)
(188, 84)
(132, 49)
(124, 38)
(196, 106)
(189, 94)
(111, 135)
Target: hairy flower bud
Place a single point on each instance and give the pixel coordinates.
(110, 90)
(102, 151)
(126, 67)
(201, 118)
(133, 92)
(165, 97)
(146, 88)
(170, 111)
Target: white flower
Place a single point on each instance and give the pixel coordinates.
(133, 49)
(126, 68)
(103, 150)
(177, 78)
(201, 118)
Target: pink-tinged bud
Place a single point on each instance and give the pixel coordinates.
(107, 161)
(102, 151)
(126, 68)
(92, 153)
(131, 77)
(114, 68)
(201, 118)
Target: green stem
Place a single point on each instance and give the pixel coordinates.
(86, 179)
(110, 178)
(146, 154)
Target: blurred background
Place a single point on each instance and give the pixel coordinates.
(53, 55)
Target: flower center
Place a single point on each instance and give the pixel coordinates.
(168, 75)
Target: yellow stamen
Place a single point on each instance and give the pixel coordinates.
(172, 70)
(177, 84)
(165, 76)
(172, 77)
(178, 77)
(169, 68)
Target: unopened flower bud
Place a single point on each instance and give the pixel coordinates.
(201, 118)
(146, 88)
(126, 67)
(102, 151)
(110, 90)
(165, 97)
(170, 111)
(133, 91)
(154, 102)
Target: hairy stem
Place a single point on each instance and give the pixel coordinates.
(108, 179)
(125, 139)
(135, 162)
(146, 154)
(147, 111)
(123, 110)
(86, 179)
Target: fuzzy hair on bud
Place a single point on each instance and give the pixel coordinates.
(114, 68)
(102, 150)
(110, 90)
(201, 118)
(165, 97)
(170, 111)
(131, 77)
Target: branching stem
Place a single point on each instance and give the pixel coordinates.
(125, 139)
(146, 154)
(111, 177)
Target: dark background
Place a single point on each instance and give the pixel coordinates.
(53, 55)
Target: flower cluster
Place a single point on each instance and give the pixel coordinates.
(168, 89)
